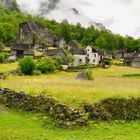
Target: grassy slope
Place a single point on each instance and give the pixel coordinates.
(14, 126)
(107, 83)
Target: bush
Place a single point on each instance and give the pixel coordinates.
(36, 72)
(3, 57)
(89, 75)
(58, 62)
(46, 65)
(27, 65)
(107, 62)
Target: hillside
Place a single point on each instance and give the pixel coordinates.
(9, 28)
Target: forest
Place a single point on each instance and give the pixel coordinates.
(103, 40)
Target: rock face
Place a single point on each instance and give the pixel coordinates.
(32, 37)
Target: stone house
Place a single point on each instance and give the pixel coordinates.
(133, 60)
(85, 56)
(54, 53)
(32, 37)
(93, 56)
(78, 53)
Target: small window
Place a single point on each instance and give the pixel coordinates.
(95, 55)
(94, 61)
(80, 60)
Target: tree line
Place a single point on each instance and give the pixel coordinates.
(104, 40)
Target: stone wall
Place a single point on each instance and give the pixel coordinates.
(107, 110)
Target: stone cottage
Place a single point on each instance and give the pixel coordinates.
(78, 53)
(85, 56)
(54, 53)
(93, 56)
(133, 60)
(32, 37)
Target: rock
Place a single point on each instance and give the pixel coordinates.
(84, 75)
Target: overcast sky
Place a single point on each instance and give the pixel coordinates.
(120, 16)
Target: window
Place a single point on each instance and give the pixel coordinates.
(94, 55)
(94, 61)
(80, 60)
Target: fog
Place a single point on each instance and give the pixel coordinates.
(120, 16)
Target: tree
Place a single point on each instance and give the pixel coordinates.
(46, 65)
(90, 35)
(27, 65)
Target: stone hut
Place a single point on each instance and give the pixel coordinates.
(94, 56)
(136, 62)
(60, 43)
(78, 53)
(58, 52)
(133, 60)
(32, 37)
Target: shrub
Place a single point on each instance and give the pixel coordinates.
(3, 57)
(36, 72)
(27, 65)
(107, 61)
(46, 65)
(58, 62)
(89, 75)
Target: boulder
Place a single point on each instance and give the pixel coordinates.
(84, 75)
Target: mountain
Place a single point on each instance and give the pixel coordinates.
(59, 10)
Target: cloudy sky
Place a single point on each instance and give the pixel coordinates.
(120, 16)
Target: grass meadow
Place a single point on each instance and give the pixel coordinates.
(113, 82)
(17, 126)
(107, 83)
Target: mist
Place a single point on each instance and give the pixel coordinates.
(120, 16)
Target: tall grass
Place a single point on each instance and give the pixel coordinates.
(64, 86)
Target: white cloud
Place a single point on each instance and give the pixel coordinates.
(120, 16)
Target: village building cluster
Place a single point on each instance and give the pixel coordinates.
(33, 37)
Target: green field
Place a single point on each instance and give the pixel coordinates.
(63, 85)
(112, 82)
(15, 126)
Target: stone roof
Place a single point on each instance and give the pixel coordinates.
(55, 53)
(75, 48)
(137, 59)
